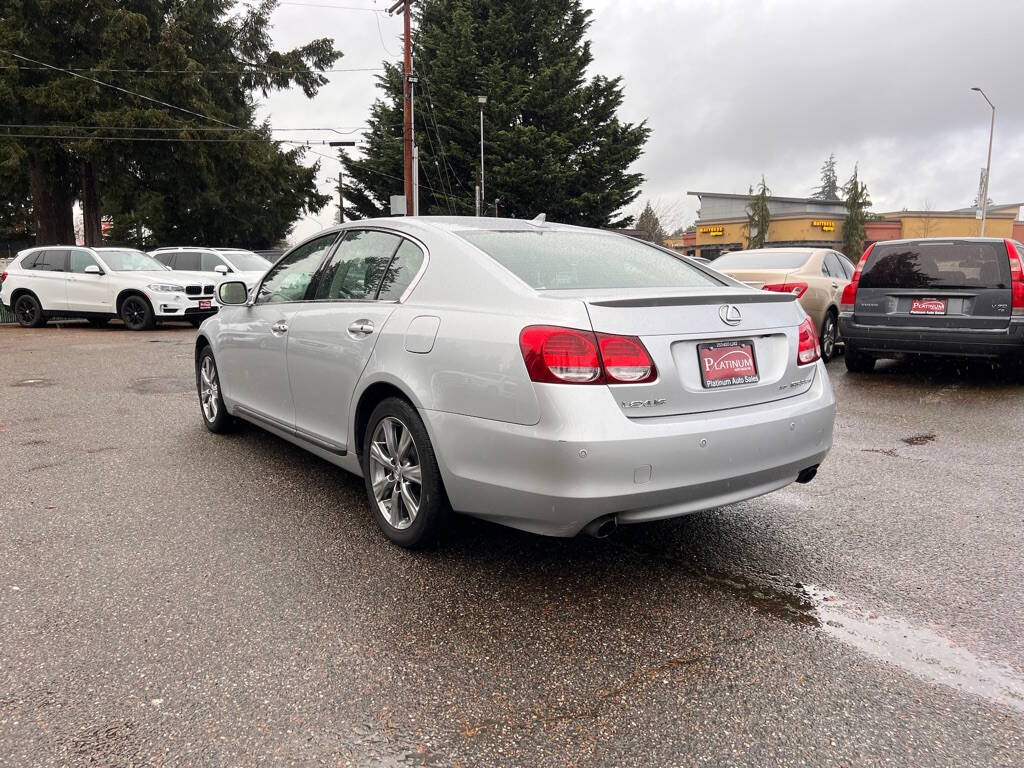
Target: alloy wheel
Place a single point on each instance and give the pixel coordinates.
(209, 389)
(395, 473)
(26, 311)
(828, 338)
(134, 313)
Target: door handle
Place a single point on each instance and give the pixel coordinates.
(835, 285)
(279, 327)
(361, 328)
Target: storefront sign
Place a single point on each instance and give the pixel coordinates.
(714, 230)
(826, 225)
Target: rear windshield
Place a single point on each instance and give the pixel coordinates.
(762, 260)
(558, 260)
(939, 264)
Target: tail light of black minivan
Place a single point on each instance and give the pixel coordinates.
(1016, 277)
(850, 291)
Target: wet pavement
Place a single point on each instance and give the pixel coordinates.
(168, 597)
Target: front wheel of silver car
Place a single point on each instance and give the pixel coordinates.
(403, 482)
(211, 402)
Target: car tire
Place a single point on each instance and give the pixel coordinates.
(137, 314)
(99, 322)
(29, 312)
(211, 401)
(857, 361)
(387, 458)
(829, 335)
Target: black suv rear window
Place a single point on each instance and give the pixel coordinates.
(937, 264)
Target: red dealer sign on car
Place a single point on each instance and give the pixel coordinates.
(725, 363)
(928, 307)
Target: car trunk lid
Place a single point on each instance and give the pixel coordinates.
(684, 330)
(758, 278)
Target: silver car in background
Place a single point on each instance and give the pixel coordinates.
(547, 377)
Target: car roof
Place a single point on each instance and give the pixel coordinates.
(954, 239)
(783, 249)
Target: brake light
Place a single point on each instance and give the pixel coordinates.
(849, 299)
(808, 350)
(3, 276)
(797, 289)
(625, 359)
(555, 355)
(1016, 279)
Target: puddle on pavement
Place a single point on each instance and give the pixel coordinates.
(918, 650)
(33, 383)
(159, 385)
(919, 439)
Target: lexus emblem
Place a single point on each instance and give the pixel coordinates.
(730, 314)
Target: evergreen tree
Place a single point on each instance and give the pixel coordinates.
(244, 189)
(829, 189)
(553, 141)
(758, 216)
(857, 204)
(650, 226)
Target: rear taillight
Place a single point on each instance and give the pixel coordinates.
(849, 299)
(797, 289)
(1016, 278)
(3, 276)
(555, 355)
(625, 359)
(808, 350)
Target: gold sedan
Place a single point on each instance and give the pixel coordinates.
(816, 276)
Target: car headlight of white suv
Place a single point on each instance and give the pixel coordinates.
(166, 288)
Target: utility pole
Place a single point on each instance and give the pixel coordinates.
(415, 150)
(482, 100)
(988, 164)
(341, 173)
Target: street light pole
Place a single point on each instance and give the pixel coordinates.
(988, 163)
(482, 100)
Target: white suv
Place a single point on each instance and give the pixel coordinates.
(245, 265)
(103, 283)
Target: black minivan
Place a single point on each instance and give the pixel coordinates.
(937, 296)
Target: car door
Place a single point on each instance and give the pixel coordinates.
(88, 292)
(252, 339)
(332, 337)
(48, 279)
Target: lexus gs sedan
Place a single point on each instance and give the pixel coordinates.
(551, 378)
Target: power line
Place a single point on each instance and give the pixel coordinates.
(72, 126)
(253, 70)
(119, 88)
(329, 6)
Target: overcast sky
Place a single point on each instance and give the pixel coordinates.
(734, 89)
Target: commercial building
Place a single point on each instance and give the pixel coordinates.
(721, 224)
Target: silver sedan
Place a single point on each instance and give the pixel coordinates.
(547, 377)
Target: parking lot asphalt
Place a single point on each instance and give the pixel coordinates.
(171, 597)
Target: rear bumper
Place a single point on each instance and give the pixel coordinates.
(585, 459)
(880, 339)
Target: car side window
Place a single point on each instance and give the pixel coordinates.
(80, 260)
(29, 262)
(404, 267)
(846, 264)
(51, 261)
(289, 279)
(356, 269)
(834, 268)
(166, 258)
(188, 260)
(824, 267)
(211, 261)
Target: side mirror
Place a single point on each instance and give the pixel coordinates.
(233, 293)
(221, 269)
(92, 269)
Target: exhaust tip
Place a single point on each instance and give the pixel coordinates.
(806, 475)
(602, 527)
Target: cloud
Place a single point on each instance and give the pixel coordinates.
(738, 88)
